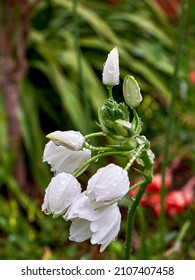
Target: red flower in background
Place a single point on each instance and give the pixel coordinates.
(154, 203)
(156, 184)
(188, 191)
(192, 77)
(175, 201)
(170, 7)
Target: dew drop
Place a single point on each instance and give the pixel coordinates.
(111, 70)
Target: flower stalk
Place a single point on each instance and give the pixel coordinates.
(130, 218)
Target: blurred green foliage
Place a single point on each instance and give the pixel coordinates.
(67, 46)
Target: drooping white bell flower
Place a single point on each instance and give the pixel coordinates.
(60, 193)
(107, 185)
(62, 159)
(100, 225)
(111, 69)
(70, 139)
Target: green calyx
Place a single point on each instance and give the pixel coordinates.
(113, 118)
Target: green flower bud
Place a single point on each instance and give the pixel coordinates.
(123, 128)
(131, 92)
(130, 143)
(110, 112)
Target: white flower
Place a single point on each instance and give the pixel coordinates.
(107, 185)
(111, 69)
(71, 139)
(100, 225)
(62, 159)
(60, 193)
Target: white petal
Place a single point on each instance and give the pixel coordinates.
(61, 192)
(107, 185)
(80, 230)
(80, 208)
(107, 225)
(111, 69)
(62, 159)
(71, 139)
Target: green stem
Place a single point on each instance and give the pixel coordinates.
(136, 185)
(142, 232)
(133, 206)
(171, 116)
(96, 157)
(99, 149)
(130, 219)
(92, 135)
(109, 91)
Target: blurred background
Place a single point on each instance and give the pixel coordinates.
(51, 59)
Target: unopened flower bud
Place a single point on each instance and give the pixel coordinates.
(111, 69)
(108, 113)
(71, 139)
(131, 92)
(124, 128)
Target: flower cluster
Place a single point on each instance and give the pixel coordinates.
(94, 211)
(175, 200)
